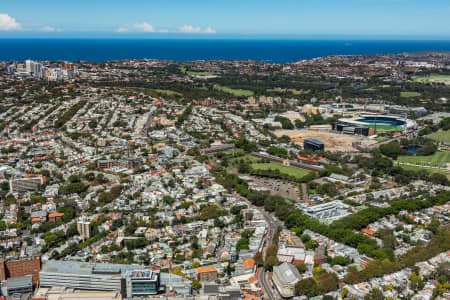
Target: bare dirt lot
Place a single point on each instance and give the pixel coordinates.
(332, 141)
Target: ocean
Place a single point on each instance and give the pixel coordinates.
(98, 50)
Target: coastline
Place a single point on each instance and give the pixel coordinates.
(183, 50)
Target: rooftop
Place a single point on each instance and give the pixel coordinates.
(83, 268)
(287, 273)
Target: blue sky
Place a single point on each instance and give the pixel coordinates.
(213, 18)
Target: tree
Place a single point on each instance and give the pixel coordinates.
(392, 149)
(344, 293)
(10, 199)
(444, 269)
(72, 230)
(434, 225)
(302, 268)
(276, 151)
(271, 261)
(242, 244)
(209, 212)
(311, 244)
(340, 260)
(4, 185)
(414, 281)
(272, 250)
(305, 238)
(235, 210)
(285, 122)
(442, 279)
(328, 282)
(259, 259)
(307, 287)
(196, 285)
(438, 178)
(352, 275)
(375, 294)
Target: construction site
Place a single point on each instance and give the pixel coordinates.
(333, 141)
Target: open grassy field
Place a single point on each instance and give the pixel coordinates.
(410, 94)
(291, 171)
(168, 92)
(384, 128)
(438, 159)
(381, 138)
(433, 78)
(200, 73)
(429, 170)
(292, 91)
(440, 136)
(234, 92)
(152, 92)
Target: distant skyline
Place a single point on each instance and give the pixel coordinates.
(290, 19)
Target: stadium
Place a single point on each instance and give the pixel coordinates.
(371, 124)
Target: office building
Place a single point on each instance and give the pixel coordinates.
(57, 293)
(328, 212)
(140, 283)
(129, 280)
(21, 185)
(17, 285)
(313, 144)
(207, 274)
(13, 268)
(285, 277)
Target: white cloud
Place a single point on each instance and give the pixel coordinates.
(8, 23)
(146, 27)
(138, 27)
(192, 29)
(122, 29)
(143, 27)
(209, 30)
(48, 28)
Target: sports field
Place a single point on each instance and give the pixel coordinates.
(291, 171)
(384, 128)
(410, 94)
(438, 159)
(234, 92)
(433, 78)
(440, 136)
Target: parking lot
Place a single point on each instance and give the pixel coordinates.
(279, 188)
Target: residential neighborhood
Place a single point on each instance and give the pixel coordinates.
(155, 179)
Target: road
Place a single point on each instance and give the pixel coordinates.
(305, 194)
(272, 227)
(262, 275)
(408, 135)
(149, 122)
